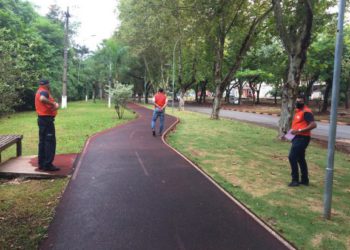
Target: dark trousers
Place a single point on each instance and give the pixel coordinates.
(297, 156)
(47, 141)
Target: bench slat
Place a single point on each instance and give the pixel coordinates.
(7, 140)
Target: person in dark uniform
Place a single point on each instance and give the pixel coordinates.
(303, 123)
(46, 108)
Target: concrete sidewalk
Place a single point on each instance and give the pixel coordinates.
(131, 191)
(322, 130)
(27, 166)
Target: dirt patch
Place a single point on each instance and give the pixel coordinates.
(260, 184)
(197, 153)
(317, 239)
(315, 205)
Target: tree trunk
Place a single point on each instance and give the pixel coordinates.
(258, 94)
(289, 93)
(253, 92)
(196, 92)
(147, 89)
(100, 92)
(240, 92)
(252, 88)
(139, 97)
(347, 94)
(287, 109)
(227, 96)
(219, 57)
(204, 95)
(326, 96)
(182, 100)
(217, 103)
(146, 96)
(94, 92)
(86, 93)
(204, 91)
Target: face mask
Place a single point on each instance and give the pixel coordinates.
(299, 105)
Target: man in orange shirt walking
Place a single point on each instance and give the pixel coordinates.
(160, 102)
(46, 108)
(303, 123)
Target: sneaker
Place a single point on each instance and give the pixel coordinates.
(293, 184)
(154, 133)
(305, 183)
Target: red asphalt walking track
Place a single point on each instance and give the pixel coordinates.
(131, 191)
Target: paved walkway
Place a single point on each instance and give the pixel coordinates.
(322, 130)
(131, 191)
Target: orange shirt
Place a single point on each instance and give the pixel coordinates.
(44, 109)
(160, 99)
(299, 121)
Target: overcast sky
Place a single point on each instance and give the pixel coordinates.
(97, 18)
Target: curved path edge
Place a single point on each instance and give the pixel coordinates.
(279, 237)
(81, 155)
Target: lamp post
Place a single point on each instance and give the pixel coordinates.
(174, 74)
(333, 121)
(65, 60)
(110, 85)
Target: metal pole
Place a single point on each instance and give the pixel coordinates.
(174, 75)
(79, 68)
(65, 62)
(145, 84)
(110, 85)
(334, 108)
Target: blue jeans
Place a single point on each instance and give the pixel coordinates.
(158, 113)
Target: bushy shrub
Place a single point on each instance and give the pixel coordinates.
(120, 94)
(8, 99)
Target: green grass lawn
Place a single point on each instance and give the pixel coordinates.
(252, 165)
(27, 206)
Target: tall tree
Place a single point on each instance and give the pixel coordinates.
(237, 17)
(294, 22)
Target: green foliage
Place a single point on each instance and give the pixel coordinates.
(120, 94)
(30, 48)
(8, 98)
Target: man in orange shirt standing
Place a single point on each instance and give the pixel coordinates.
(46, 108)
(160, 102)
(303, 123)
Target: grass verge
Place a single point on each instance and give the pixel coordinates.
(27, 206)
(252, 165)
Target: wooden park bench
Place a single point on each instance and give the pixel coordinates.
(8, 140)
